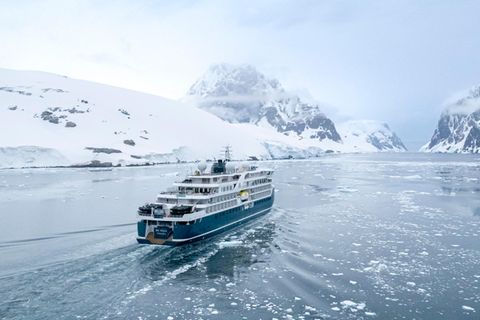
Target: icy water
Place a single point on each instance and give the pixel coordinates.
(350, 237)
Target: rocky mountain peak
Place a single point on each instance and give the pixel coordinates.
(458, 129)
(242, 94)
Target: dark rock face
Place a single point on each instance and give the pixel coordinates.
(241, 94)
(56, 115)
(74, 110)
(103, 150)
(123, 111)
(458, 129)
(472, 141)
(324, 128)
(129, 142)
(393, 144)
(94, 164)
(13, 108)
(49, 116)
(14, 90)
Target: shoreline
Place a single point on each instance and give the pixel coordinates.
(110, 166)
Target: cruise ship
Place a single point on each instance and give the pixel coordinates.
(206, 203)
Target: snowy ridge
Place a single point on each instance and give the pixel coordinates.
(370, 136)
(458, 129)
(50, 120)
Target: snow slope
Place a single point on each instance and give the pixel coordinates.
(458, 129)
(47, 119)
(369, 136)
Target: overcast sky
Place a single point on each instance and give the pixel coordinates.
(393, 61)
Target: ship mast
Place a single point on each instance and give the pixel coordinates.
(227, 153)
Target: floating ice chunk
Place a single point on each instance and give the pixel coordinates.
(353, 282)
(361, 306)
(228, 244)
(411, 284)
(212, 290)
(370, 314)
(335, 309)
(309, 308)
(337, 274)
(348, 303)
(467, 308)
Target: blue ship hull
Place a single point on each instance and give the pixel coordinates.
(210, 225)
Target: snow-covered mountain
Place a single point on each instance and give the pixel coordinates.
(241, 94)
(458, 129)
(370, 136)
(48, 120)
(51, 120)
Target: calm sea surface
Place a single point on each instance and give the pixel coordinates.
(382, 236)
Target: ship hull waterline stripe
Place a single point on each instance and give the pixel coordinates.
(219, 228)
(214, 230)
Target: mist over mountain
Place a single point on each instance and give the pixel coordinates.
(242, 94)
